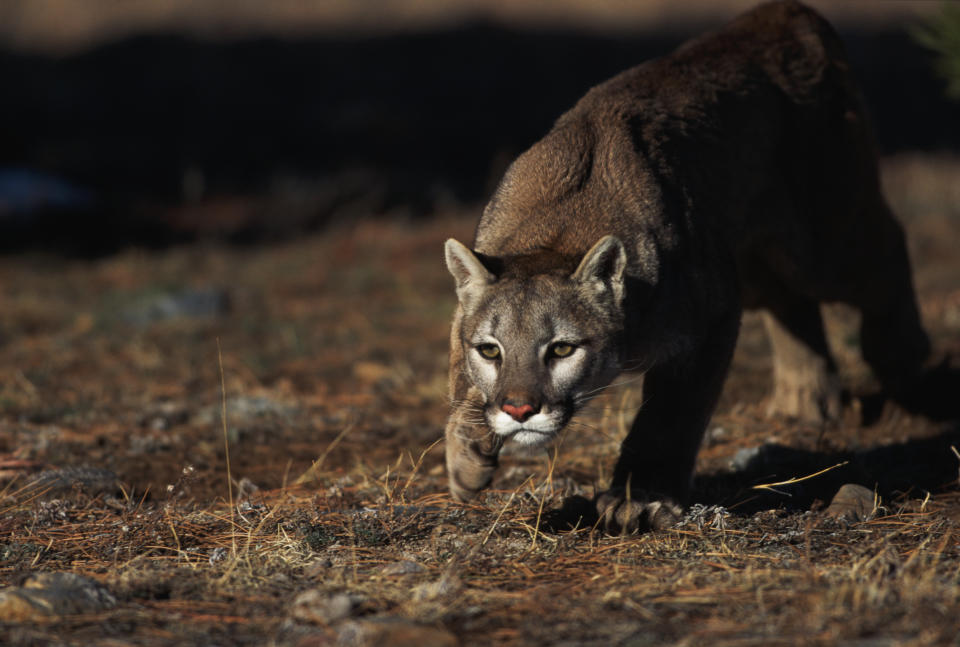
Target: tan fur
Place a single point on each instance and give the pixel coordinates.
(738, 171)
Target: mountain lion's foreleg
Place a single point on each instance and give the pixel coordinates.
(471, 447)
(652, 477)
(471, 451)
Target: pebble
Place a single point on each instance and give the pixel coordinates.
(322, 608)
(403, 567)
(188, 303)
(446, 585)
(852, 502)
(50, 595)
(64, 481)
(745, 458)
(393, 632)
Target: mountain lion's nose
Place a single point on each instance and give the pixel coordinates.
(518, 413)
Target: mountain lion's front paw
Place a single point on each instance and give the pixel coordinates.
(467, 479)
(626, 513)
(470, 466)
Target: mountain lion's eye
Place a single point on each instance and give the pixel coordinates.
(561, 350)
(490, 351)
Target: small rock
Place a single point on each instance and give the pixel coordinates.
(852, 502)
(218, 554)
(246, 487)
(47, 595)
(394, 632)
(316, 640)
(772, 458)
(317, 569)
(189, 303)
(319, 607)
(448, 584)
(372, 372)
(745, 458)
(60, 482)
(403, 567)
(246, 409)
(716, 436)
(164, 415)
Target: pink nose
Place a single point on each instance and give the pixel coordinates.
(520, 413)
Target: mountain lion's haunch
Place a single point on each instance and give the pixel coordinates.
(737, 172)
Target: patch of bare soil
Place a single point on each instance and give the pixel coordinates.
(331, 523)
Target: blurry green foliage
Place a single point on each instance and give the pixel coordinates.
(941, 33)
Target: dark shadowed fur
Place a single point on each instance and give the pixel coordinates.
(739, 171)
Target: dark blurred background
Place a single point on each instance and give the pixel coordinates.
(170, 120)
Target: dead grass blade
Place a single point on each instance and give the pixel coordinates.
(416, 466)
(791, 481)
(311, 473)
(226, 448)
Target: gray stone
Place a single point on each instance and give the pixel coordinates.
(403, 567)
(64, 481)
(852, 502)
(49, 595)
(188, 303)
(393, 632)
(745, 458)
(322, 608)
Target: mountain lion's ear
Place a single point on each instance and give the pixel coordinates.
(603, 266)
(469, 273)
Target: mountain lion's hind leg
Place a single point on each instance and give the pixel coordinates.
(892, 337)
(652, 477)
(805, 382)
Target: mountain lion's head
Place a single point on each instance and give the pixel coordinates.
(540, 333)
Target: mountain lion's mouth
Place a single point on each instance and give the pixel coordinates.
(524, 436)
(539, 429)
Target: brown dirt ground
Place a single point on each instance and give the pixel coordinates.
(333, 356)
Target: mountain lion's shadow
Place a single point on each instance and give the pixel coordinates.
(915, 466)
(936, 396)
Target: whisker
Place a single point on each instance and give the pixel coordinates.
(639, 365)
(578, 423)
(613, 385)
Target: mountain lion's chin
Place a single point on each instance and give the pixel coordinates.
(532, 438)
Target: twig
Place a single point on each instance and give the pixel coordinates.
(416, 466)
(502, 510)
(771, 486)
(226, 449)
(547, 480)
(311, 471)
(40, 552)
(957, 454)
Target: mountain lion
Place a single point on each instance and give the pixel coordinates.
(737, 172)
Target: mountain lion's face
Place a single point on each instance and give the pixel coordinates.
(538, 347)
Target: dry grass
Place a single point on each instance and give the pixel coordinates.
(773, 578)
(333, 360)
